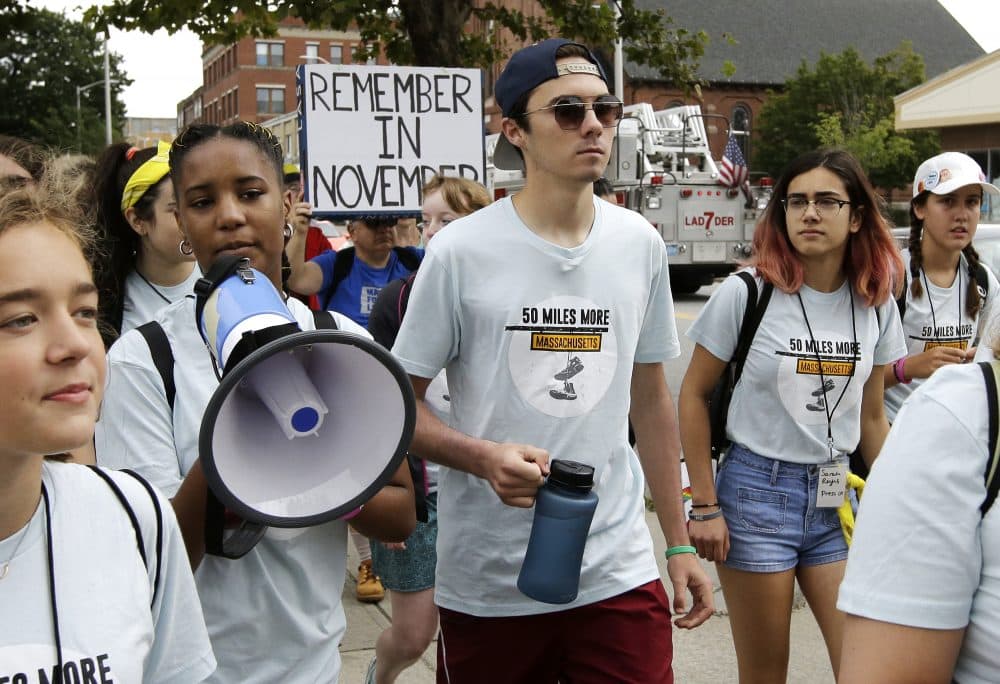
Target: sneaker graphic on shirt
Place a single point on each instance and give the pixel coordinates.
(574, 366)
(567, 393)
(822, 391)
(820, 405)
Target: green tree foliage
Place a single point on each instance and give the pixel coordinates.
(44, 56)
(429, 32)
(844, 102)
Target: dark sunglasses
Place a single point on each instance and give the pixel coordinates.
(570, 111)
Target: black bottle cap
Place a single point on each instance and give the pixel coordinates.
(577, 477)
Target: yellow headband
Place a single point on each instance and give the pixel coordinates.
(147, 175)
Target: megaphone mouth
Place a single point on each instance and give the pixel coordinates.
(262, 475)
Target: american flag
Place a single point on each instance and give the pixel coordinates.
(734, 171)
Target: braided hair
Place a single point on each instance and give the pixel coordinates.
(973, 300)
(255, 134)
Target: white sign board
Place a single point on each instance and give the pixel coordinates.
(371, 136)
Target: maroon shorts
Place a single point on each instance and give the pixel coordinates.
(626, 638)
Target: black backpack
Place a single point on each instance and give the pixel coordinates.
(722, 394)
(344, 260)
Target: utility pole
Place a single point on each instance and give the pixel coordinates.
(107, 88)
(619, 60)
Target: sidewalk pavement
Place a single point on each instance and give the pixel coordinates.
(701, 656)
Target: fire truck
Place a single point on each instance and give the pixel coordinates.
(661, 166)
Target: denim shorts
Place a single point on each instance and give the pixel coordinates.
(770, 509)
(412, 568)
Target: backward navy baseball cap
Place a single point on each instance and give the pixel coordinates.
(527, 69)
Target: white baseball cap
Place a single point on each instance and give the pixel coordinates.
(948, 172)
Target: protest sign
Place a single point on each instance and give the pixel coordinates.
(370, 136)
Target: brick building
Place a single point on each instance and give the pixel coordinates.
(254, 79)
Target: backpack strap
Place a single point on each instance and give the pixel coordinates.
(983, 279)
(404, 296)
(752, 316)
(163, 356)
(130, 512)
(324, 320)
(342, 264)
(901, 300)
(991, 374)
(407, 257)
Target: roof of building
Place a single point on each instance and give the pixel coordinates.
(774, 36)
(964, 96)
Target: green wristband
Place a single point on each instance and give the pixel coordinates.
(674, 550)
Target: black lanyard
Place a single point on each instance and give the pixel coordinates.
(60, 677)
(819, 362)
(930, 301)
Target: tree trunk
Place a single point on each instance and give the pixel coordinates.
(434, 28)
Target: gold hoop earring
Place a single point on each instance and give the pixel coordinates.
(185, 248)
(288, 231)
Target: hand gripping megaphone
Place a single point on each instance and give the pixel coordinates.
(304, 427)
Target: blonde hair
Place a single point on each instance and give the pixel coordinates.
(48, 202)
(462, 195)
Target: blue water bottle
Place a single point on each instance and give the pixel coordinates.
(564, 508)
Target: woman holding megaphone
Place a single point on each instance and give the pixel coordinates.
(274, 614)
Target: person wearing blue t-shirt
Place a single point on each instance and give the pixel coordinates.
(348, 281)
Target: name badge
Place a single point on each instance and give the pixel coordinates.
(832, 486)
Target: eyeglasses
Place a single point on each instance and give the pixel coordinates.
(825, 206)
(570, 111)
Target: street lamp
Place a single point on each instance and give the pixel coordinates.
(79, 91)
(82, 89)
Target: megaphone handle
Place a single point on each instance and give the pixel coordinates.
(239, 542)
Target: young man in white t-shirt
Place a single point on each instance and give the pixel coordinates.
(552, 314)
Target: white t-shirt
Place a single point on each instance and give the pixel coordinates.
(438, 400)
(539, 343)
(922, 556)
(275, 614)
(781, 387)
(938, 318)
(103, 591)
(142, 302)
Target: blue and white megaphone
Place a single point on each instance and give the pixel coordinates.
(304, 426)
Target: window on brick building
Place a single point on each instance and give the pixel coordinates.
(739, 124)
(270, 54)
(311, 55)
(270, 100)
(336, 53)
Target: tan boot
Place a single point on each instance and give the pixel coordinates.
(369, 588)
